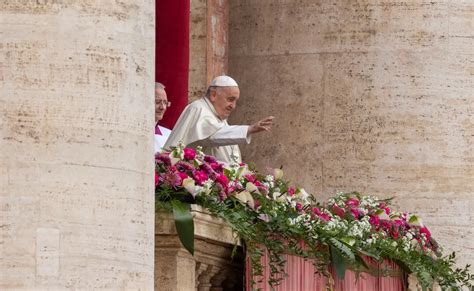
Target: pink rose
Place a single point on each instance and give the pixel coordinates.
(355, 212)
(163, 158)
(426, 232)
(189, 154)
(299, 206)
(157, 179)
(249, 178)
(217, 167)
(320, 215)
(374, 220)
(324, 217)
(210, 159)
(200, 177)
(338, 211)
(222, 179)
(316, 211)
(291, 191)
(351, 202)
(182, 175)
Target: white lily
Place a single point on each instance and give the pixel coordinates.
(278, 173)
(246, 198)
(251, 187)
(190, 186)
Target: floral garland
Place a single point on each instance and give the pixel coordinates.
(264, 210)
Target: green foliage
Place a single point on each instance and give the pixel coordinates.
(184, 224)
(272, 217)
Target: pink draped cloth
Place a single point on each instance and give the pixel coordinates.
(302, 277)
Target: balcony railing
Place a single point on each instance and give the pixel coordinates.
(212, 267)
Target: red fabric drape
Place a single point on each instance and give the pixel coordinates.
(302, 277)
(172, 55)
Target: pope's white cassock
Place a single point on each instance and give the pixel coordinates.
(199, 125)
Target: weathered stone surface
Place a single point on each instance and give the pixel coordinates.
(369, 96)
(76, 151)
(208, 43)
(211, 268)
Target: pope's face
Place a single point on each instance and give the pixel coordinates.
(161, 103)
(224, 100)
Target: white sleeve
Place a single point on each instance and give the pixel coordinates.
(229, 135)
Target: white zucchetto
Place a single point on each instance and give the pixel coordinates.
(223, 81)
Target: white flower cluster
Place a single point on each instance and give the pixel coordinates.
(360, 228)
(368, 202)
(336, 225)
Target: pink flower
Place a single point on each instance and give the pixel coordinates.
(398, 222)
(157, 179)
(338, 211)
(316, 211)
(291, 191)
(184, 166)
(206, 168)
(163, 159)
(222, 179)
(222, 195)
(200, 177)
(299, 206)
(189, 154)
(210, 159)
(374, 220)
(172, 179)
(352, 202)
(249, 178)
(217, 167)
(257, 204)
(395, 234)
(182, 175)
(355, 212)
(320, 215)
(324, 217)
(383, 206)
(264, 217)
(426, 232)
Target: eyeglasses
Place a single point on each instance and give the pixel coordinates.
(164, 103)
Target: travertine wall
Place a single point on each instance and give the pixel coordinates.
(76, 113)
(208, 44)
(374, 96)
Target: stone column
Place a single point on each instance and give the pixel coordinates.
(208, 44)
(374, 96)
(76, 153)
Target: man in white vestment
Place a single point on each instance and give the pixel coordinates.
(161, 104)
(204, 123)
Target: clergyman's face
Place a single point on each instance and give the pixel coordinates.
(224, 100)
(161, 103)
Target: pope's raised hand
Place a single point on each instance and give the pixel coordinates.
(262, 125)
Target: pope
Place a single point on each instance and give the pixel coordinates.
(204, 123)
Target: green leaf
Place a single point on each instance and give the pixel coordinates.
(426, 280)
(184, 224)
(370, 254)
(338, 262)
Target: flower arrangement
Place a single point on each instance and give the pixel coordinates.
(265, 210)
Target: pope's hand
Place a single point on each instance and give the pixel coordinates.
(262, 125)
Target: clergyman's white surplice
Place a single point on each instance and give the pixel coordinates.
(199, 125)
(160, 139)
